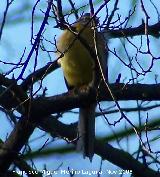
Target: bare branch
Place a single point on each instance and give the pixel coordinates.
(37, 40)
(8, 3)
(153, 30)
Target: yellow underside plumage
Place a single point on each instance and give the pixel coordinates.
(77, 63)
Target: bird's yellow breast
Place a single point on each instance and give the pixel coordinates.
(77, 63)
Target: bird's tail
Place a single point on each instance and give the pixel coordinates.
(86, 130)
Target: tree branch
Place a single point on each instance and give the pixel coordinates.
(16, 140)
(70, 100)
(66, 101)
(153, 30)
(39, 75)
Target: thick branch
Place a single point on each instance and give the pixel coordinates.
(153, 30)
(16, 140)
(64, 102)
(11, 94)
(39, 74)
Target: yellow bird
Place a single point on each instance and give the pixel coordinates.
(78, 66)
